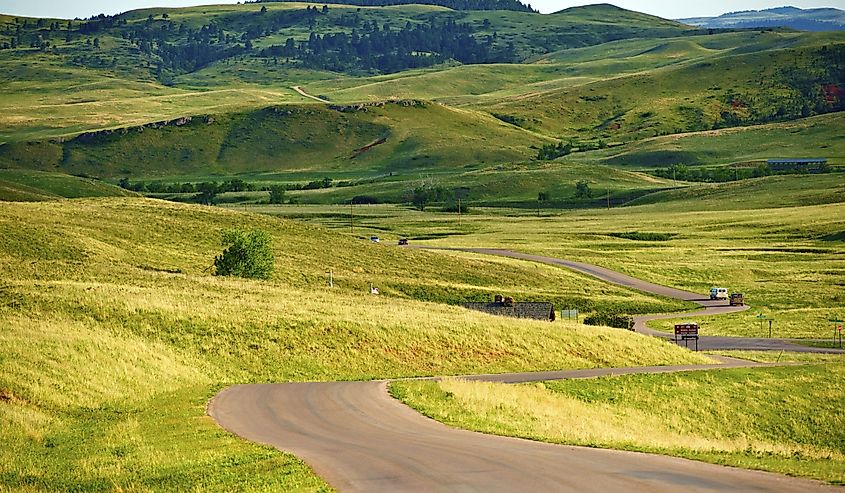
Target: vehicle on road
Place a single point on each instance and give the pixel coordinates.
(403, 241)
(718, 293)
(737, 299)
(375, 239)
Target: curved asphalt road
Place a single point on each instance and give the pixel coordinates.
(710, 307)
(359, 439)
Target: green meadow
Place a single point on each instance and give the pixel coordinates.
(117, 334)
(28, 186)
(745, 236)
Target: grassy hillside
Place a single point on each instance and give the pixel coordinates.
(251, 31)
(811, 137)
(753, 237)
(117, 335)
(69, 86)
(512, 185)
(571, 67)
(759, 193)
(25, 185)
(408, 135)
(722, 91)
(742, 417)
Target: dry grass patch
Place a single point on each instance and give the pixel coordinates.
(783, 419)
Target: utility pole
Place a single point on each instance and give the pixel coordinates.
(459, 211)
(351, 226)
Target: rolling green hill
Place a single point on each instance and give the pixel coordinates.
(116, 335)
(598, 76)
(514, 185)
(169, 42)
(818, 136)
(28, 186)
(714, 92)
(346, 141)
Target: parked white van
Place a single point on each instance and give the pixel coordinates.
(718, 293)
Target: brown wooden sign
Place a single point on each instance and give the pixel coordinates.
(686, 332)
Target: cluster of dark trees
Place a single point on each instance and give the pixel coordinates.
(426, 194)
(452, 4)
(35, 34)
(234, 185)
(713, 175)
(207, 191)
(388, 50)
(726, 174)
(817, 80)
(553, 151)
(173, 48)
(181, 48)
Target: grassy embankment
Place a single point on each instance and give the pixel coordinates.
(288, 143)
(25, 186)
(116, 335)
(783, 419)
(720, 90)
(765, 238)
(815, 137)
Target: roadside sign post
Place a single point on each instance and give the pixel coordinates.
(837, 330)
(686, 331)
(761, 318)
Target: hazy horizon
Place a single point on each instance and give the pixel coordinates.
(670, 9)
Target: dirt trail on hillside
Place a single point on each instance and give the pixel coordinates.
(302, 92)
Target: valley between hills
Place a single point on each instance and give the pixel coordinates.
(137, 149)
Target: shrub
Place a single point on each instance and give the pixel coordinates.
(456, 207)
(246, 254)
(365, 199)
(640, 236)
(582, 189)
(610, 320)
(277, 194)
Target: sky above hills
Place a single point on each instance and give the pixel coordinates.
(670, 9)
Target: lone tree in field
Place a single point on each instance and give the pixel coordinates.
(582, 189)
(246, 254)
(277, 194)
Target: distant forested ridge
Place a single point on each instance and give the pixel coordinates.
(413, 46)
(515, 5)
(152, 44)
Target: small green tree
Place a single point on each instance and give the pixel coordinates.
(207, 192)
(277, 194)
(582, 189)
(246, 254)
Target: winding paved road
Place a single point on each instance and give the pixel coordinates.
(709, 307)
(359, 439)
